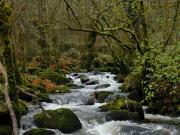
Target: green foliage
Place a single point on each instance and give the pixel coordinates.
(20, 107)
(160, 71)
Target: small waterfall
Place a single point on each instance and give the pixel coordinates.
(93, 121)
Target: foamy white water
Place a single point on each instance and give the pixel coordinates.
(93, 121)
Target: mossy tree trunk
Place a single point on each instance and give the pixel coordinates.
(41, 25)
(5, 24)
(90, 45)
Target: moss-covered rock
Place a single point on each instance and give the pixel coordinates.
(60, 89)
(5, 130)
(43, 97)
(132, 83)
(63, 119)
(101, 95)
(54, 77)
(20, 108)
(122, 115)
(124, 104)
(39, 131)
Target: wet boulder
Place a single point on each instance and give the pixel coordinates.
(102, 86)
(122, 115)
(133, 95)
(92, 82)
(62, 119)
(39, 131)
(125, 105)
(100, 96)
(133, 130)
(116, 96)
(75, 74)
(157, 132)
(90, 101)
(84, 78)
(75, 86)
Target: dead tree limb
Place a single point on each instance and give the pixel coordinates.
(35, 97)
(8, 101)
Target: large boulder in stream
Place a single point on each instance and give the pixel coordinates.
(62, 119)
(102, 96)
(123, 109)
(83, 78)
(39, 131)
(102, 86)
(92, 82)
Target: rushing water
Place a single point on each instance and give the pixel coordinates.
(92, 119)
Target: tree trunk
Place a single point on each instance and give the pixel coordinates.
(8, 102)
(45, 57)
(5, 24)
(90, 56)
(144, 25)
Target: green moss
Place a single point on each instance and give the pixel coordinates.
(34, 70)
(124, 104)
(63, 119)
(20, 107)
(43, 97)
(132, 83)
(62, 89)
(39, 131)
(102, 95)
(5, 130)
(122, 115)
(54, 77)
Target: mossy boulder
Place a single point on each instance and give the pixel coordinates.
(39, 131)
(54, 77)
(100, 96)
(60, 89)
(124, 104)
(63, 119)
(132, 83)
(43, 97)
(20, 108)
(5, 130)
(122, 115)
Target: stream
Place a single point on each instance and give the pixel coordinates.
(93, 121)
